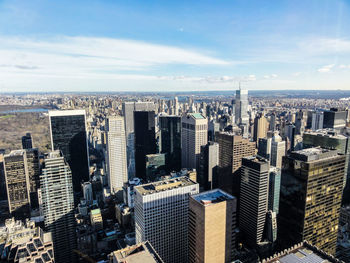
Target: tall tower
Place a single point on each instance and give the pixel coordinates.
(170, 128)
(145, 140)
(162, 215)
(278, 150)
(33, 167)
(212, 224)
(260, 127)
(17, 184)
(209, 165)
(68, 134)
(194, 134)
(128, 112)
(116, 153)
(27, 141)
(176, 106)
(241, 107)
(58, 206)
(232, 148)
(311, 194)
(253, 199)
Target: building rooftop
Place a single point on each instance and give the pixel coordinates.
(313, 154)
(53, 113)
(327, 133)
(139, 253)
(15, 153)
(197, 115)
(96, 211)
(212, 197)
(302, 253)
(164, 185)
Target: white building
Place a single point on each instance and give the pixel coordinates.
(161, 216)
(278, 150)
(116, 153)
(194, 134)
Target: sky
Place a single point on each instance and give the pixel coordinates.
(110, 45)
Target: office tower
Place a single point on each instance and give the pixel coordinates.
(161, 216)
(58, 205)
(139, 253)
(241, 107)
(96, 219)
(310, 200)
(21, 242)
(17, 184)
(194, 134)
(145, 140)
(27, 141)
(155, 166)
(253, 200)
(272, 123)
(278, 150)
(271, 226)
(260, 127)
(33, 167)
(317, 120)
(212, 225)
(170, 132)
(334, 119)
(176, 106)
(274, 189)
(209, 164)
(289, 133)
(116, 153)
(264, 147)
(128, 112)
(87, 192)
(213, 127)
(68, 134)
(232, 148)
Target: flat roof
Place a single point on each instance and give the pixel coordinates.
(15, 153)
(53, 113)
(197, 115)
(213, 196)
(164, 185)
(96, 211)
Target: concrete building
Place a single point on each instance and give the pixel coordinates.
(58, 205)
(96, 219)
(161, 216)
(278, 150)
(139, 253)
(25, 243)
(232, 148)
(317, 121)
(194, 134)
(260, 127)
(310, 200)
(209, 165)
(253, 200)
(87, 192)
(116, 153)
(212, 225)
(68, 134)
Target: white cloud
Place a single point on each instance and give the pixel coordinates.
(323, 46)
(296, 74)
(271, 76)
(344, 66)
(326, 69)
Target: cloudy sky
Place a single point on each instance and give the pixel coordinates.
(110, 45)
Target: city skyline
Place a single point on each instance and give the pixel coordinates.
(173, 46)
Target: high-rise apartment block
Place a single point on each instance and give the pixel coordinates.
(194, 134)
(232, 148)
(68, 134)
(27, 141)
(212, 227)
(310, 200)
(145, 140)
(58, 205)
(253, 199)
(161, 216)
(170, 132)
(116, 153)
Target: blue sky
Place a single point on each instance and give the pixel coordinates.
(174, 45)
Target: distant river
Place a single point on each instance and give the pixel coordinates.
(24, 110)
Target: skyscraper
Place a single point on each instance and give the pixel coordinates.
(232, 148)
(241, 107)
(170, 132)
(162, 214)
(116, 153)
(194, 134)
(68, 134)
(145, 140)
(58, 206)
(310, 200)
(260, 127)
(209, 165)
(274, 189)
(17, 184)
(253, 200)
(128, 112)
(264, 147)
(278, 150)
(33, 167)
(27, 141)
(334, 119)
(212, 225)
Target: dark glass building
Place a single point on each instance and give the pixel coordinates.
(334, 119)
(27, 141)
(68, 134)
(310, 200)
(145, 140)
(170, 128)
